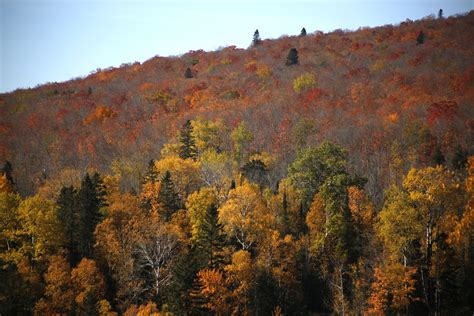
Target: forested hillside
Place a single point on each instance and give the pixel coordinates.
(311, 174)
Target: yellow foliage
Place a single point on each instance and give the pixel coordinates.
(378, 65)
(185, 173)
(263, 71)
(4, 185)
(245, 215)
(39, 220)
(304, 82)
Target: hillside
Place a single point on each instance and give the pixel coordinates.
(307, 175)
(373, 87)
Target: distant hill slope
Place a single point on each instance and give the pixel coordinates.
(387, 100)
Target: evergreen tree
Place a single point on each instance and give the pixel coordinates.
(7, 172)
(421, 38)
(169, 196)
(67, 216)
(187, 147)
(211, 239)
(151, 175)
(440, 14)
(303, 32)
(438, 157)
(256, 171)
(89, 200)
(292, 58)
(188, 74)
(256, 38)
(459, 160)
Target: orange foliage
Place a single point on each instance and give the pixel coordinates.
(101, 113)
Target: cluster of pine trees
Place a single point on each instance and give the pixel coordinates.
(210, 232)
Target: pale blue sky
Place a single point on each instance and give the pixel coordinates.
(55, 40)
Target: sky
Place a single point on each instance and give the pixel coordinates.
(57, 40)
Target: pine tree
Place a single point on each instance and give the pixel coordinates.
(89, 200)
(168, 196)
(303, 32)
(440, 14)
(256, 38)
(292, 58)
(188, 74)
(187, 147)
(421, 38)
(66, 215)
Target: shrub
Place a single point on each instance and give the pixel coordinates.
(304, 82)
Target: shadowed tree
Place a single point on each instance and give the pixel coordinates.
(292, 58)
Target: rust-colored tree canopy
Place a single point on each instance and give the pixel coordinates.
(337, 179)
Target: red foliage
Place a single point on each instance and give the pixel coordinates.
(444, 110)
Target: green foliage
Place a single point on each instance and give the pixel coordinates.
(303, 32)
(313, 166)
(230, 95)
(187, 144)
(256, 171)
(66, 203)
(304, 82)
(206, 231)
(169, 196)
(242, 137)
(420, 38)
(89, 200)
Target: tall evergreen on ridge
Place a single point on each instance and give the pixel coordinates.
(256, 38)
(187, 147)
(89, 200)
(303, 32)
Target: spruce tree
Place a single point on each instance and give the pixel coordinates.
(303, 32)
(440, 14)
(187, 147)
(421, 38)
(67, 216)
(211, 239)
(256, 38)
(188, 74)
(292, 58)
(169, 196)
(151, 175)
(89, 200)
